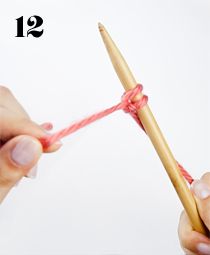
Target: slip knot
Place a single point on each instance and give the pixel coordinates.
(132, 107)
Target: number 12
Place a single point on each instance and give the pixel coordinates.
(34, 22)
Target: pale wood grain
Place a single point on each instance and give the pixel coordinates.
(154, 133)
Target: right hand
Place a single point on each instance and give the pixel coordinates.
(191, 241)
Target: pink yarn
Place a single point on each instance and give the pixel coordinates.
(186, 175)
(126, 104)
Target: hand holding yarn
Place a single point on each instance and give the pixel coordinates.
(20, 148)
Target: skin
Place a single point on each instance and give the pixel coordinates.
(15, 124)
(190, 239)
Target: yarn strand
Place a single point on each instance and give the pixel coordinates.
(127, 105)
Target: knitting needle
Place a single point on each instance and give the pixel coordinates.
(154, 133)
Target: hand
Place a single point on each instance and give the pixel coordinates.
(191, 241)
(20, 148)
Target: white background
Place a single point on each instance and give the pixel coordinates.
(106, 192)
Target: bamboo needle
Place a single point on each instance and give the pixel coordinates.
(154, 133)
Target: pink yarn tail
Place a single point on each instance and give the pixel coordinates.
(47, 141)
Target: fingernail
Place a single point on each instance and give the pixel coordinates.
(200, 189)
(203, 248)
(33, 172)
(25, 151)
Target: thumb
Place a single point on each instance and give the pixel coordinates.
(17, 157)
(201, 190)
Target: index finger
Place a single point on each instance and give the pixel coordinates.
(12, 125)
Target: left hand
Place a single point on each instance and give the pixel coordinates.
(20, 148)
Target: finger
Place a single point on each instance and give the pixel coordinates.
(17, 157)
(33, 172)
(12, 112)
(12, 125)
(8, 100)
(47, 126)
(54, 147)
(201, 190)
(191, 241)
(13, 115)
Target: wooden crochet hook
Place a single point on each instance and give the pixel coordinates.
(154, 133)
